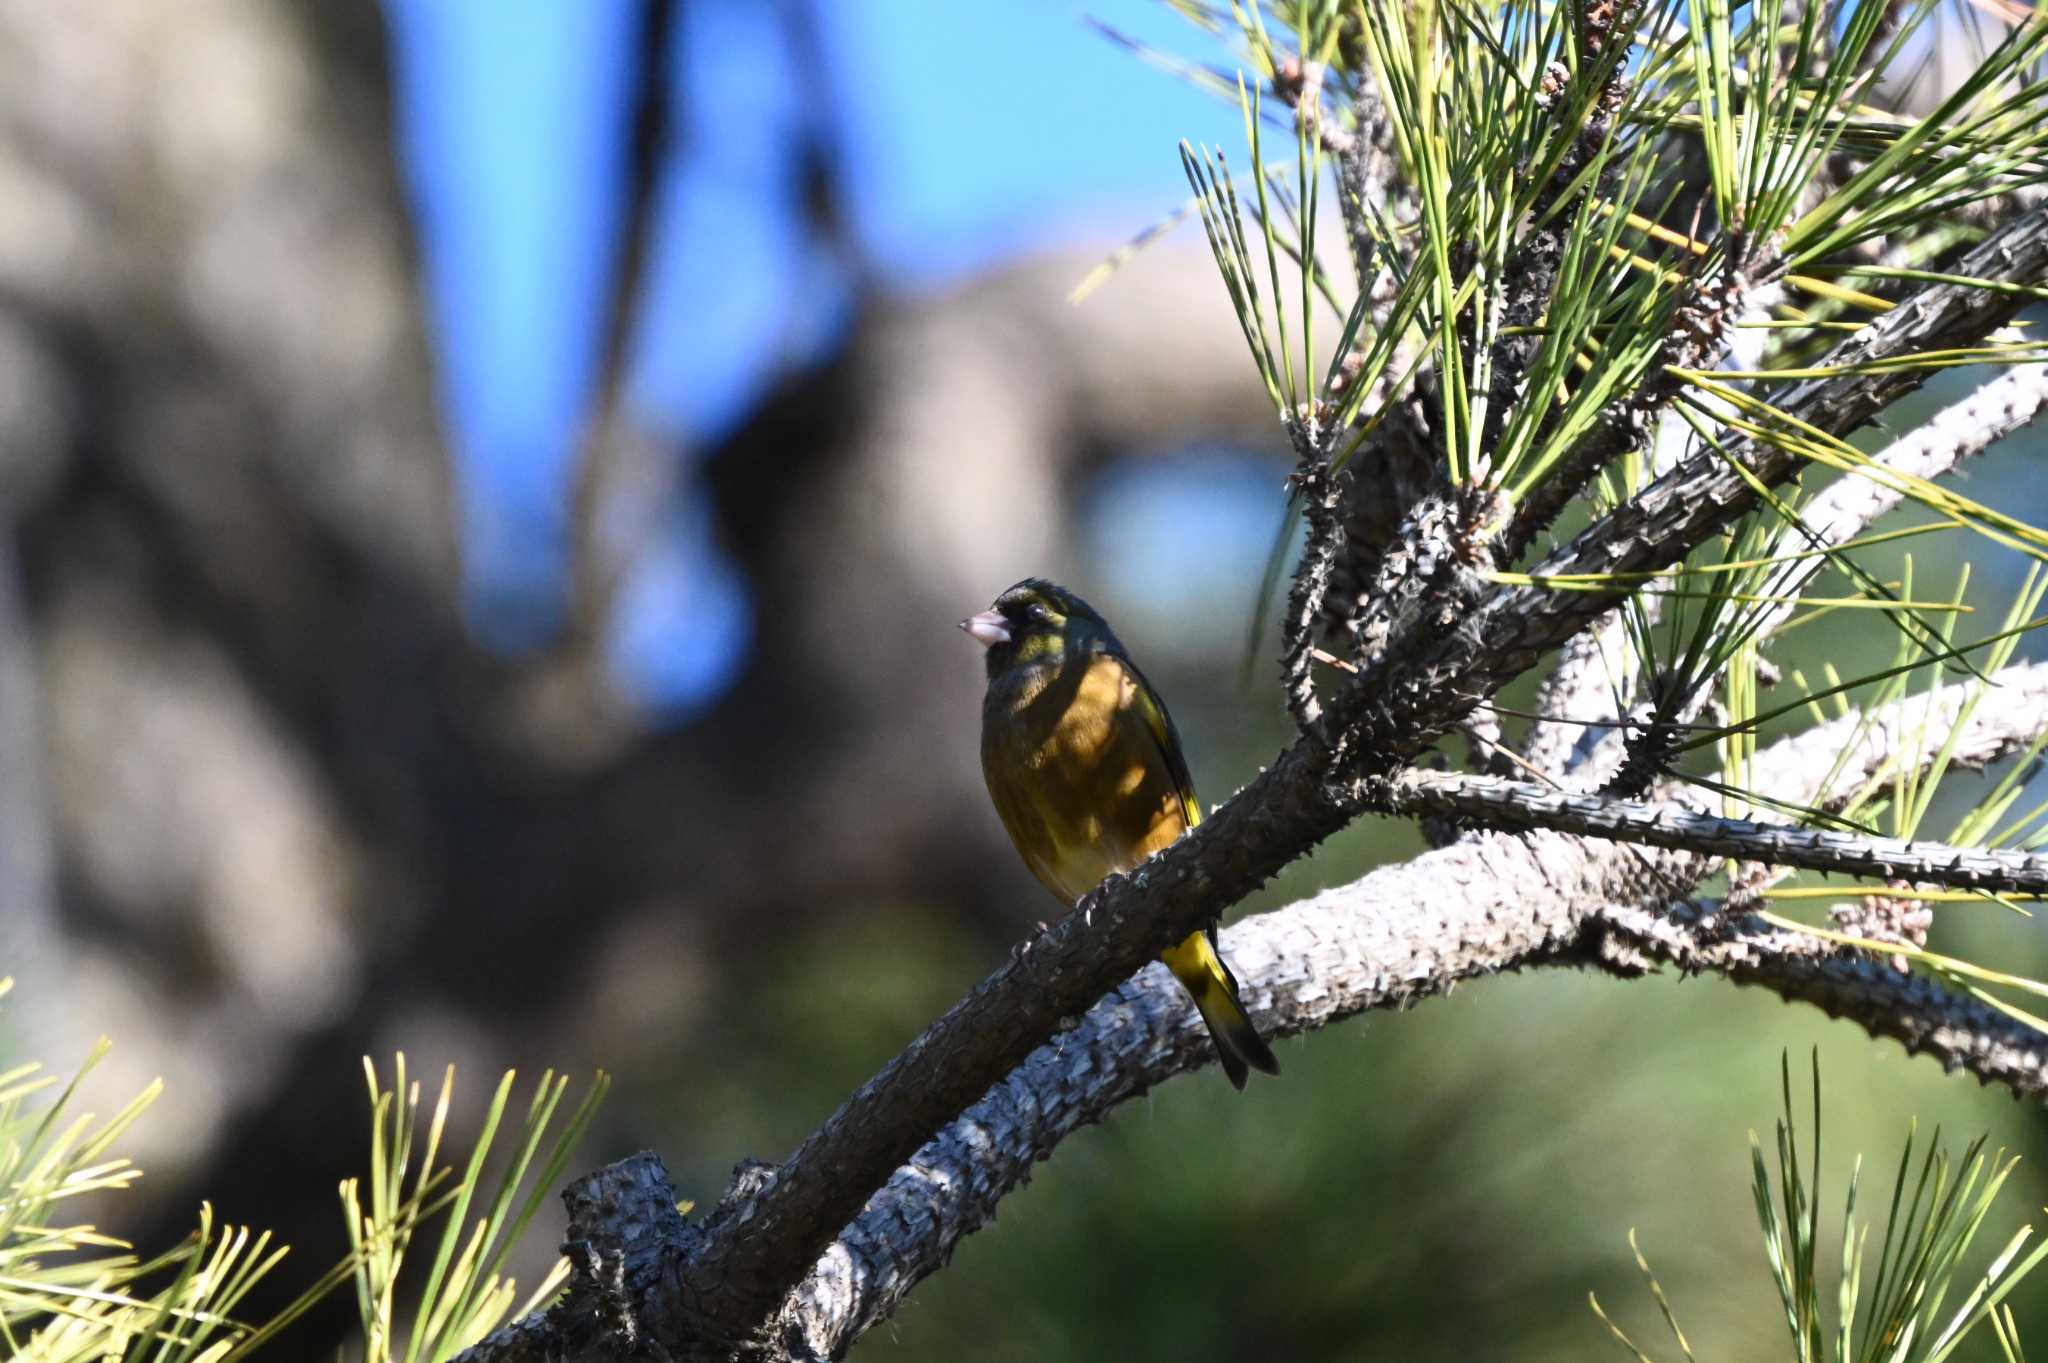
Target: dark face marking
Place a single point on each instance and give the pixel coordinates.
(1041, 621)
(1033, 621)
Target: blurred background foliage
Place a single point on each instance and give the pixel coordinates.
(485, 492)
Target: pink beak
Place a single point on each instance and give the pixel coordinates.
(987, 628)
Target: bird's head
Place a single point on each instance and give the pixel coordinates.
(1037, 621)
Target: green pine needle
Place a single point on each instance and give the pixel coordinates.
(1897, 1311)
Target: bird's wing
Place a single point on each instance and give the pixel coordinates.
(1160, 725)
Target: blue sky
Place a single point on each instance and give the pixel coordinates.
(970, 131)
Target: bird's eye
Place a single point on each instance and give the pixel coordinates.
(1040, 613)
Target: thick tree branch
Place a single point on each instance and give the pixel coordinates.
(1402, 934)
(1406, 932)
(742, 1273)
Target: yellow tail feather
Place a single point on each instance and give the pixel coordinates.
(1214, 991)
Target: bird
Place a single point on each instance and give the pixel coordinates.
(1086, 773)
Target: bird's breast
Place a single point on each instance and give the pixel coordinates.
(1076, 774)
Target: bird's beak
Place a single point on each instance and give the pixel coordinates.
(987, 629)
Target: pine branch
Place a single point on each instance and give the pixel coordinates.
(1369, 172)
(1702, 317)
(1959, 431)
(1433, 646)
(742, 1270)
(1396, 467)
(1320, 490)
(1400, 934)
(1495, 802)
(1707, 936)
(1532, 271)
(1431, 673)
(1711, 489)
(1447, 644)
(1406, 932)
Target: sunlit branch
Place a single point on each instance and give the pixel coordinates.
(1495, 802)
(1845, 508)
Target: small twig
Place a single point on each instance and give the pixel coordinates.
(1513, 713)
(1503, 752)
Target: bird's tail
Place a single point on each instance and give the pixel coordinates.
(1214, 990)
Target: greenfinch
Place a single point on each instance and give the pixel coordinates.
(1086, 772)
